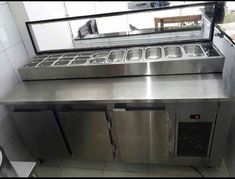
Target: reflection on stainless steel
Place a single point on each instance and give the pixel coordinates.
(202, 65)
(44, 127)
(62, 63)
(145, 133)
(85, 54)
(97, 60)
(51, 59)
(55, 55)
(46, 63)
(135, 147)
(199, 86)
(184, 33)
(193, 50)
(153, 53)
(66, 58)
(135, 54)
(102, 54)
(210, 50)
(70, 54)
(148, 135)
(112, 34)
(141, 32)
(82, 58)
(142, 132)
(31, 64)
(105, 66)
(173, 52)
(41, 57)
(78, 62)
(116, 56)
(84, 129)
(36, 61)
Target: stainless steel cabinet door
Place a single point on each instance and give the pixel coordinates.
(161, 133)
(142, 135)
(132, 134)
(87, 134)
(41, 133)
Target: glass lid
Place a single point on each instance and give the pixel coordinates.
(168, 23)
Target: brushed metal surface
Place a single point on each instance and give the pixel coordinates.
(189, 66)
(51, 59)
(153, 53)
(80, 61)
(134, 54)
(31, 64)
(82, 58)
(102, 54)
(173, 52)
(141, 117)
(70, 55)
(133, 135)
(87, 134)
(97, 60)
(193, 50)
(46, 63)
(116, 56)
(142, 135)
(40, 133)
(159, 135)
(56, 55)
(197, 87)
(64, 62)
(85, 54)
(65, 59)
(135, 62)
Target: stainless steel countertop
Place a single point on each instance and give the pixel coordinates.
(124, 89)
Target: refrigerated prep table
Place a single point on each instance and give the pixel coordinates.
(139, 97)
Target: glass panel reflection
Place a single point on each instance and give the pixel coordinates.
(125, 28)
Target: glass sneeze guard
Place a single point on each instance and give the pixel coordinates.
(182, 23)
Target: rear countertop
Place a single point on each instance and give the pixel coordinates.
(122, 89)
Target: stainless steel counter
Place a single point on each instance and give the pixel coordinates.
(200, 58)
(175, 98)
(125, 89)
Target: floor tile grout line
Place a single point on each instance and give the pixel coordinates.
(147, 170)
(62, 166)
(103, 169)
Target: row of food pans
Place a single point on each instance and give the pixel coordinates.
(119, 56)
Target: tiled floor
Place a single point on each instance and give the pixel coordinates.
(68, 168)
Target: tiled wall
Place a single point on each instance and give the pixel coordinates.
(12, 56)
